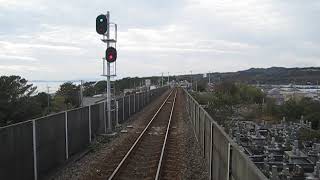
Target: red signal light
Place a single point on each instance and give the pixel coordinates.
(111, 54)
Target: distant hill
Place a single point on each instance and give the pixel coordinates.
(273, 75)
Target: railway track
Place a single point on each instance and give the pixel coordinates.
(144, 160)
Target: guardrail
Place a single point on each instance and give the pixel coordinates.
(224, 158)
(32, 149)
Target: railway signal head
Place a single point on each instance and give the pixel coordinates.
(111, 54)
(102, 24)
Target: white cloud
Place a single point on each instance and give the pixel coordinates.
(255, 16)
(11, 69)
(22, 58)
(172, 39)
(154, 37)
(20, 48)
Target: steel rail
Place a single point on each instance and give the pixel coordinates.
(137, 140)
(165, 139)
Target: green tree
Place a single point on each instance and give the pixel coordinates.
(308, 134)
(89, 89)
(227, 96)
(16, 102)
(292, 109)
(201, 85)
(314, 118)
(250, 94)
(42, 98)
(311, 111)
(101, 87)
(70, 92)
(58, 104)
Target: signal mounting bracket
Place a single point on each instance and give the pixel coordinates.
(108, 40)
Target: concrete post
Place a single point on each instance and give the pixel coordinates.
(229, 161)
(198, 119)
(143, 99)
(66, 136)
(129, 105)
(123, 108)
(204, 129)
(90, 138)
(117, 113)
(210, 152)
(134, 103)
(34, 141)
(138, 101)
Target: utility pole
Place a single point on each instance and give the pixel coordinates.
(168, 79)
(191, 80)
(161, 79)
(48, 92)
(196, 86)
(209, 78)
(81, 93)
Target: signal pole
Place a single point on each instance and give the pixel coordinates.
(109, 130)
(103, 28)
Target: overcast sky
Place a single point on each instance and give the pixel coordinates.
(56, 39)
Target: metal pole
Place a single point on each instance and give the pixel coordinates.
(89, 118)
(109, 130)
(81, 93)
(161, 79)
(35, 168)
(134, 102)
(48, 91)
(117, 116)
(129, 105)
(196, 86)
(191, 80)
(123, 108)
(168, 79)
(148, 96)
(229, 161)
(103, 66)
(104, 116)
(66, 137)
(138, 101)
(210, 154)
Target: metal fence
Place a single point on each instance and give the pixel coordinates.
(32, 149)
(224, 158)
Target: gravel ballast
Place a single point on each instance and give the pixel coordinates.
(96, 163)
